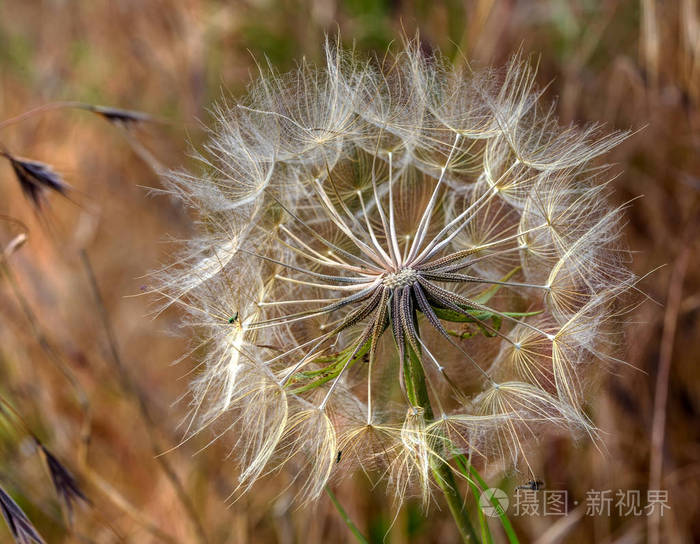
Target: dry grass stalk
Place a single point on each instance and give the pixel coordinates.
(21, 528)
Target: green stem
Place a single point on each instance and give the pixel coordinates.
(343, 514)
(445, 479)
(417, 392)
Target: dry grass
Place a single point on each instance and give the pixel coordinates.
(102, 402)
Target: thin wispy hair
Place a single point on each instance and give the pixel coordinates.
(372, 218)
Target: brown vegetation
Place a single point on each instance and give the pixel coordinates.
(87, 367)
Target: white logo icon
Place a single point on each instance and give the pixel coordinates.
(494, 502)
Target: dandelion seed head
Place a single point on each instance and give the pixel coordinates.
(388, 224)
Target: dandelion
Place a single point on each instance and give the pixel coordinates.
(420, 261)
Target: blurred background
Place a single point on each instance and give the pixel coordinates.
(96, 377)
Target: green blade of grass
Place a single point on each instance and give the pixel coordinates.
(485, 531)
(468, 471)
(343, 514)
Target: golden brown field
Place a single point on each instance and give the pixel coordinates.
(89, 369)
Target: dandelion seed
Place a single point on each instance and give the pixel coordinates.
(358, 211)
